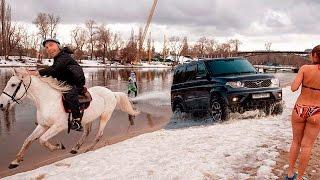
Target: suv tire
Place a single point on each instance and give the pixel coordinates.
(218, 110)
(277, 109)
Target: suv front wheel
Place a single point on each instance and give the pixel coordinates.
(218, 110)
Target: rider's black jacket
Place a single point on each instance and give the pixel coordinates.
(65, 69)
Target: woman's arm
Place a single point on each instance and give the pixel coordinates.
(298, 80)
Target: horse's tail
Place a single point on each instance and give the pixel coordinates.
(124, 104)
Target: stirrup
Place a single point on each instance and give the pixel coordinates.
(76, 125)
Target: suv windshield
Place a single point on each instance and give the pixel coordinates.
(230, 67)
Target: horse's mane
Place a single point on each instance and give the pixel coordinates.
(55, 84)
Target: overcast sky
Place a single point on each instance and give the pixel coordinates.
(288, 24)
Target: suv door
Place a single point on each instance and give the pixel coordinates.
(189, 91)
(202, 87)
(178, 85)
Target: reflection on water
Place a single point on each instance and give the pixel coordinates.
(8, 120)
(115, 79)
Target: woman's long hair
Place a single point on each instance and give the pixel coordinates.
(316, 51)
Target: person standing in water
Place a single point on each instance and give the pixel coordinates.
(305, 118)
(132, 86)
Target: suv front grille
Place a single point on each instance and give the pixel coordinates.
(257, 83)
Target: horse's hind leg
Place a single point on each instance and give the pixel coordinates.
(85, 134)
(51, 132)
(103, 122)
(33, 136)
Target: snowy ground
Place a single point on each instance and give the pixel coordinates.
(242, 148)
(31, 62)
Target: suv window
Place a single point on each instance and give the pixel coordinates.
(191, 72)
(201, 71)
(179, 74)
(230, 67)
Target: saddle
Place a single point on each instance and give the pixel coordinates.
(84, 101)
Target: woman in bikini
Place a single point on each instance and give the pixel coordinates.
(306, 114)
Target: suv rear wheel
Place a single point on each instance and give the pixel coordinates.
(218, 110)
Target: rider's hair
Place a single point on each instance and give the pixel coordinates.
(316, 51)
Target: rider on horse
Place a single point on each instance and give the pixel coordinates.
(65, 69)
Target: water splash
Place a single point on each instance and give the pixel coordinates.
(155, 98)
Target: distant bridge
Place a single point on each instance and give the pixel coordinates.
(256, 53)
(265, 68)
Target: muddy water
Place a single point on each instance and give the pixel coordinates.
(153, 86)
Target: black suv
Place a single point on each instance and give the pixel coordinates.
(224, 85)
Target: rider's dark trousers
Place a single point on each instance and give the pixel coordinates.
(72, 100)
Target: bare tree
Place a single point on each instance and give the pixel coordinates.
(165, 49)
(53, 21)
(91, 27)
(42, 24)
(5, 14)
(34, 42)
(104, 38)
(8, 30)
(15, 36)
(235, 44)
(79, 38)
(3, 26)
(224, 49)
(114, 45)
(129, 52)
(176, 45)
(200, 47)
(185, 47)
(267, 45)
(26, 42)
(211, 48)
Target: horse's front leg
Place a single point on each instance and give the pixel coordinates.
(87, 128)
(33, 136)
(51, 132)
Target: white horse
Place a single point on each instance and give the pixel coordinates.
(46, 93)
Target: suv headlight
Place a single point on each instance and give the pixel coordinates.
(235, 84)
(275, 82)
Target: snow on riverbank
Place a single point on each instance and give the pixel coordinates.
(14, 61)
(237, 149)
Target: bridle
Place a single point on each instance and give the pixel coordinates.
(13, 96)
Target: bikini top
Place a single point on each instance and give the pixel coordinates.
(316, 89)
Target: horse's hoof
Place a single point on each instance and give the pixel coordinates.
(11, 166)
(62, 146)
(73, 152)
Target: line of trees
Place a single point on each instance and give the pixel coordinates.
(97, 41)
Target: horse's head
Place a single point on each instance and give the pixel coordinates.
(15, 89)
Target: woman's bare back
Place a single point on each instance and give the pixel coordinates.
(309, 78)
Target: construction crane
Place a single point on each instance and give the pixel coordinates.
(146, 29)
